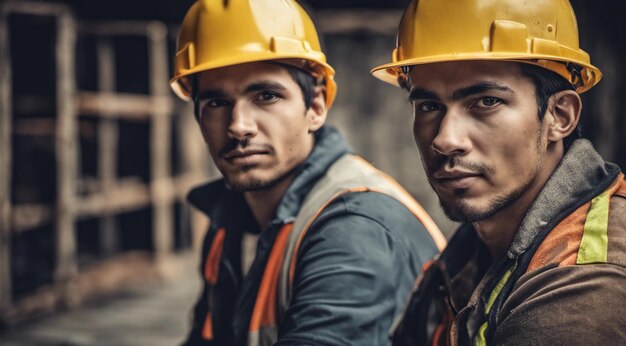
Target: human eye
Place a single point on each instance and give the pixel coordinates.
(487, 102)
(427, 107)
(268, 96)
(215, 103)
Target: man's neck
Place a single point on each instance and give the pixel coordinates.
(263, 203)
(498, 231)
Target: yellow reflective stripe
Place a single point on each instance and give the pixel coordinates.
(481, 339)
(594, 244)
(497, 289)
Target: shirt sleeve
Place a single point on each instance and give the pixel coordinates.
(571, 305)
(355, 269)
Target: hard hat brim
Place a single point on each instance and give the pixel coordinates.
(180, 85)
(390, 72)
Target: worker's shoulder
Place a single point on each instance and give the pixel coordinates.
(370, 220)
(377, 206)
(373, 213)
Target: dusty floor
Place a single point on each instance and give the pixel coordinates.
(155, 315)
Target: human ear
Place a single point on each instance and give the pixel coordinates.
(565, 107)
(316, 114)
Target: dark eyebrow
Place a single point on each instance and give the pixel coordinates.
(254, 87)
(420, 93)
(264, 85)
(479, 88)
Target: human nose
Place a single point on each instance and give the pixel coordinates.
(451, 138)
(242, 123)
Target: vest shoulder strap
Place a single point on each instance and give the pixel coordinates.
(582, 237)
(348, 174)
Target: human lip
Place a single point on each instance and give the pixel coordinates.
(455, 179)
(247, 157)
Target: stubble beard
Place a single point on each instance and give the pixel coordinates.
(256, 184)
(462, 211)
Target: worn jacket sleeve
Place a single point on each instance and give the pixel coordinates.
(571, 305)
(355, 269)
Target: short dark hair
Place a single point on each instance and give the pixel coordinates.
(305, 81)
(547, 83)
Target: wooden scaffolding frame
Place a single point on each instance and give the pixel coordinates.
(114, 195)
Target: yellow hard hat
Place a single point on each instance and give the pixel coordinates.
(220, 33)
(540, 32)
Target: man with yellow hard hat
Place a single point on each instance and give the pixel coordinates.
(308, 243)
(541, 256)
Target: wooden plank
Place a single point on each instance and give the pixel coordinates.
(123, 196)
(66, 149)
(107, 146)
(29, 216)
(35, 8)
(131, 194)
(160, 141)
(121, 105)
(5, 163)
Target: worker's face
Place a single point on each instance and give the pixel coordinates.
(254, 121)
(478, 132)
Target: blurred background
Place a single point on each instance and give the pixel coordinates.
(97, 244)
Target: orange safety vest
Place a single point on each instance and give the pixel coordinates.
(580, 238)
(348, 174)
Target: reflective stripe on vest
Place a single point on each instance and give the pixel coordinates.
(263, 325)
(481, 338)
(582, 238)
(211, 272)
(348, 174)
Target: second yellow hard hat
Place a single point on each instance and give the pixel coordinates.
(540, 32)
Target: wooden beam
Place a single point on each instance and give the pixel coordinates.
(35, 8)
(123, 196)
(66, 149)
(5, 163)
(121, 105)
(131, 194)
(30, 216)
(160, 141)
(107, 145)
